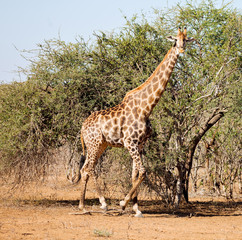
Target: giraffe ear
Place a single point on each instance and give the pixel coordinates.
(171, 38)
(185, 32)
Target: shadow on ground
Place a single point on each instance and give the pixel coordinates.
(155, 207)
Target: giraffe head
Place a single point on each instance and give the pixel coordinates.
(180, 40)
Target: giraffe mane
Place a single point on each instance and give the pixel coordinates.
(143, 85)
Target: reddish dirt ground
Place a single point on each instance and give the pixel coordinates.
(50, 215)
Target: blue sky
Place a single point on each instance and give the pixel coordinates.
(25, 23)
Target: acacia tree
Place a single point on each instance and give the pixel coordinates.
(199, 88)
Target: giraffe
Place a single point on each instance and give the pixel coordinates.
(127, 125)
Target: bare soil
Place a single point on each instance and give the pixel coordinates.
(51, 214)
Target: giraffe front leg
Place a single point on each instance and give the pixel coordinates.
(138, 176)
(138, 213)
(135, 174)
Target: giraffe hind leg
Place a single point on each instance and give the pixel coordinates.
(87, 171)
(84, 180)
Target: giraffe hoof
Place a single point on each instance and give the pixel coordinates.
(139, 215)
(81, 207)
(122, 204)
(104, 208)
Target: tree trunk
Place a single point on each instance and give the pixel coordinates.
(179, 186)
(213, 119)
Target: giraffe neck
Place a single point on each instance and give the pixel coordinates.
(148, 94)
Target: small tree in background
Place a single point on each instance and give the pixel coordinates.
(200, 90)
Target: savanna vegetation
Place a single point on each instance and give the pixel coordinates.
(196, 139)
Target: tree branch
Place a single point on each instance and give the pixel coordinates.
(212, 120)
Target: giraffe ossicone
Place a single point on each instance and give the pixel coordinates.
(127, 125)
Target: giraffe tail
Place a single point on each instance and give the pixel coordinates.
(83, 156)
(83, 146)
(82, 160)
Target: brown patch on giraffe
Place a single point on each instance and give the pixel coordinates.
(151, 99)
(127, 108)
(102, 119)
(135, 125)
(148, 108)
(131, 130)
(107, 127)
(167, 66)
(149, 89)
(127, 114)
(121, 136)
(122, 120)
(144, 95)
(167, 73)
(124, 128)
(161, 75)
(130, 120)
(108, 111)
(115, 130)
(141, 125)
(122, 105)
(135, 135)
(115, 121)
(139, 111)
(144, 103)
(107, 117)
(155, 86)
(136, 101)
(119, 114)
(135, 112)
(163, 67)
(172, 62)
(155, 80)
(113, 114)
(131, 103)
(135, 141)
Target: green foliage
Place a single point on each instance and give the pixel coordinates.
(207, 75)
